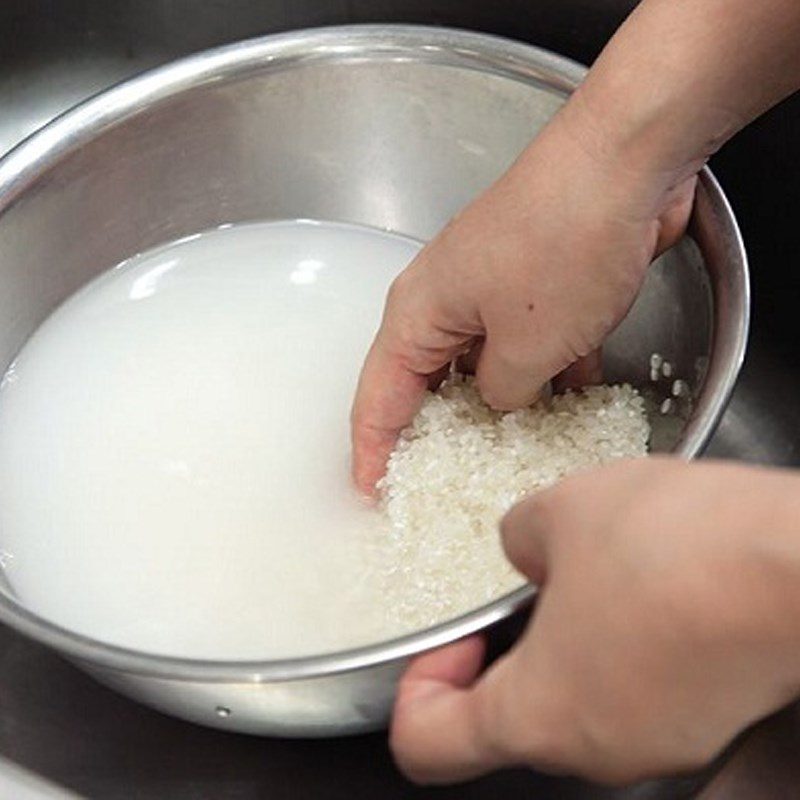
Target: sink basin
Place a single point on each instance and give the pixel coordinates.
(63, 726)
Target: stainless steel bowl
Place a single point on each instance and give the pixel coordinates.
(394, 127)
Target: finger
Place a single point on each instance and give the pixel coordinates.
(417, 341)
(436, 732)
(524, 534)
(387, 398)
(506, 378)
(450, 725)
(455, 665)
(586, 371)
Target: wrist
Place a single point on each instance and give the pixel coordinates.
(662, 98)
(647, 143)
(657, 130)
(602, 170)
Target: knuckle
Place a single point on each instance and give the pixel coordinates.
(400, 288)
(401, 335)
(404, 336)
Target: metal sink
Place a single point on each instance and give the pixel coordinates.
(59, 724)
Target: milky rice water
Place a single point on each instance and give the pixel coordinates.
(174, 452)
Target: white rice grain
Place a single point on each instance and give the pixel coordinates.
(461, 466)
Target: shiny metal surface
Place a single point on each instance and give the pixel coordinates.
(390, 126)
(68, 728)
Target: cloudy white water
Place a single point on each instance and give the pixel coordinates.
(174, 446)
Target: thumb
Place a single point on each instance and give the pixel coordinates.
(441, 731)
(450, 725)
(436, 734)
(524, 534)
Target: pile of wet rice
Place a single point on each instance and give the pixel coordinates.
(460, 466)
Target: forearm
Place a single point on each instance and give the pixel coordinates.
(680, 77)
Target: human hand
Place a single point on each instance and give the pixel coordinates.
(534, 275)
(544, 265)
(667, 622)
